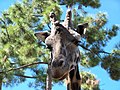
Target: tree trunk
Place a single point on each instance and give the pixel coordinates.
(49, 78)
(0, 82)
(2, 66)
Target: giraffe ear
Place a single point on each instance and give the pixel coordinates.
(81, 28)
(42, 35)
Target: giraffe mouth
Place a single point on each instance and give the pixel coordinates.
(65, 75)
(60, 77)
(60, 72)
(72, 68)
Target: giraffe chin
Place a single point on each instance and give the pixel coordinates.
(62, 77)
(59, 75)
(66, 74)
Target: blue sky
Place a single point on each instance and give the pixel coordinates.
(112, 7)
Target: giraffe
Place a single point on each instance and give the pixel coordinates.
(65, 55)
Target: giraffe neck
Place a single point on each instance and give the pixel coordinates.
(73, 80)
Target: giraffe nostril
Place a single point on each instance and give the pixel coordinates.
(54, 64)
(57, 63)
(60, 63)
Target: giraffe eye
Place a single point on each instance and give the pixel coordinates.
(58, 30)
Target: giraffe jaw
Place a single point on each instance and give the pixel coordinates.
(60, 72)
(60, 75)
(63, 77)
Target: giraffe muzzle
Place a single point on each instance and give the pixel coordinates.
(60, 69)
(57, 63)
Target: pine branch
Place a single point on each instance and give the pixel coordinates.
(1, 79)
(90, 51)
(20, 75)
(24, 66)
(49, 26)
(104, 52)
(37, 15)
(84, 47)
(97, 52)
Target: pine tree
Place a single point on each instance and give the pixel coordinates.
(20, 51)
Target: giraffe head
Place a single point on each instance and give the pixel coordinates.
(63, 50)
(63, 46)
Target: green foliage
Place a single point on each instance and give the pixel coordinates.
(97, 38)
(19, 46)
(111, 63)
(91, 3)
(89, 81)
(40, 81)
